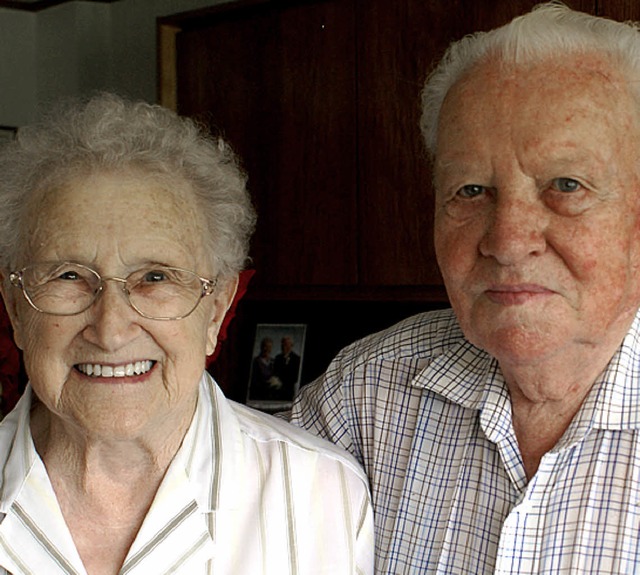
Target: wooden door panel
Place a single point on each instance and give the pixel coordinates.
(622, 10)
(278, 81)
(398, 43)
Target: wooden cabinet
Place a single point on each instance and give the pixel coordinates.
(277, 79)
(321, 99)
(623, 10)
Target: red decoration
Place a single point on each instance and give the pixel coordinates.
(12, 377)
(243, 284)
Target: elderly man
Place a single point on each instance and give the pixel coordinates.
(502, 436)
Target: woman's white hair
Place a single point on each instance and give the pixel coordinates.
(549, 30)
(107, 133)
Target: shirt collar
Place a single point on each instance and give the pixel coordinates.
(614, 400)
(460, 374)
(17, 461)
(211, 451)
(471, 378)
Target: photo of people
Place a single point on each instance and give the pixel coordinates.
(276, 365)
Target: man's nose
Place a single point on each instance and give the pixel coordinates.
(515, 228)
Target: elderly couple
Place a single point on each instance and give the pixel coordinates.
(502, 436)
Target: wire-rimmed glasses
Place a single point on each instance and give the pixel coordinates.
(155, 291)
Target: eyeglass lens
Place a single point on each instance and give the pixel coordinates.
(159, 292)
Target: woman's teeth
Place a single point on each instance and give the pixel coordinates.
(129, 369)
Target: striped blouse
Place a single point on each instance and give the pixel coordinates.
(246, 494)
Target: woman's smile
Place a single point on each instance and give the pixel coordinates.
(115, 371)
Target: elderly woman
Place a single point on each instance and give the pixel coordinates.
(123, 229)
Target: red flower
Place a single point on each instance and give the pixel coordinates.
(243, 284)
(12, 376)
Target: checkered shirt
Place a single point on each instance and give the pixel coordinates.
(429, 417)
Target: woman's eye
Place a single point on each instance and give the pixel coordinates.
(154, 276)
(471, 191)
(566, 185)
(70, 275)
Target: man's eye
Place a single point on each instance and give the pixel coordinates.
(566, 185)
(70, 275)
(471, 191)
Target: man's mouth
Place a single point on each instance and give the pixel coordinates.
(123, 370)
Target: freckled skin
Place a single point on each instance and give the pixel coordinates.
(542, 276)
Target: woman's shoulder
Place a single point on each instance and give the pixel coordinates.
(17, 452)
(271, 432)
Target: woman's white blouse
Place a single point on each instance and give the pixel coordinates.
(246, 494)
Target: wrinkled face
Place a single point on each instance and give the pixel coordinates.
(116, 224)
(537, 216)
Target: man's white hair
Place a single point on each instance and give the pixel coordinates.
(549, 30)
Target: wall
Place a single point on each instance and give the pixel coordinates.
(18, 86)
(79, 47)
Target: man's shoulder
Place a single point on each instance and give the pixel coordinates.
(420, 336)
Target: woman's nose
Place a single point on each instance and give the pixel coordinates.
(112, 321)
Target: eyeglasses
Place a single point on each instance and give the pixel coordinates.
(155, 292)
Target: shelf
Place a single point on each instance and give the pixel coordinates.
(433, 293)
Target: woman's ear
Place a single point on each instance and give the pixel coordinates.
(224, 294)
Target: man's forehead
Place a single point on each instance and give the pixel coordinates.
(596, 67)
(576, 115)
(538, 93)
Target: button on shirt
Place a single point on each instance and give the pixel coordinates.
(246, 494)
(429, 416)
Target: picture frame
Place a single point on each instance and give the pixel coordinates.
(7, 133)
(276, 365)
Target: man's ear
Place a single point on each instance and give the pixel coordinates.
(224, 295)
(9, 305)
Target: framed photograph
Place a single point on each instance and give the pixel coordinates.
(276, 365)
(7, 133)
